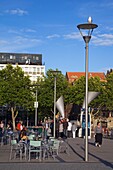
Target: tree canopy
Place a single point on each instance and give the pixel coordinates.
(15, 90)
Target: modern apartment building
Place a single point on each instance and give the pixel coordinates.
(31, 64)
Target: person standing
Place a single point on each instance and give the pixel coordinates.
(60, 129)
(98, 135)
(1, 128)
(52, 127)
(74, 128)
(65, 125)
(19, 128)
(69, 129)
(46, 129)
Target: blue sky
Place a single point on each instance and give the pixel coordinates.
(49, 27)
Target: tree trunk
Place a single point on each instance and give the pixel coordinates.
(13, 120)
(14, 117)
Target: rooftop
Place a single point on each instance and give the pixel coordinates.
(72, 76)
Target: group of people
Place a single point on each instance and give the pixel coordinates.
(63, 128)
(66, 128)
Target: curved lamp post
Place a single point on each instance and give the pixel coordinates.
(88, 27)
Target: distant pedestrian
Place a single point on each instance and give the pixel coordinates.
(2, 127)
(46, 129)
(74, 128)
(52, 127)
(60, 129)
(69, 129)
(19, 125)
(98, 135)
(65, 125)
(19, 128)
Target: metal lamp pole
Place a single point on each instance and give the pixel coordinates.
(55, 72)
(36, 106)
(54, 105)
(88, 27)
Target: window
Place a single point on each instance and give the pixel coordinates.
(34, 73)
(26, 73)
(12, 57)
(38, 69)
(30, 72)
(26, 69)
(37, 58)
(25, 57)
(34, 69)
(1, 67)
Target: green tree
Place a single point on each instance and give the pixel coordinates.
(77, 91)
(46, 92)
(15, 90)
(108, 93)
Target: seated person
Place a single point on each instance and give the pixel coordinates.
(23, 135)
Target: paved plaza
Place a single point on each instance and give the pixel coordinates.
(98, 158)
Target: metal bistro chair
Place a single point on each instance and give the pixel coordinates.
(55, 147)
(16, 148)
(35, 147)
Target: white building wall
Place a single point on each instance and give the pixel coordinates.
(34, 71)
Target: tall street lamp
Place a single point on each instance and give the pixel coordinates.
(36, 106)
(55, 77)
(88, 27)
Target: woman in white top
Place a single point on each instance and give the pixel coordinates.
(69, 129)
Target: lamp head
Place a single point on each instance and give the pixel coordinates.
(86, 29)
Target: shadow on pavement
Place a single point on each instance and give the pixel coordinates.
(76, 152)
(101, 160)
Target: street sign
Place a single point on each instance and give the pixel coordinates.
(35, 104)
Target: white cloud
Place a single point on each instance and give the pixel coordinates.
(24, 30)
(13, 31)
(19, 43)
(3, 42)
(53, 36)
(53, 25)
(73, 35)
(17, 12)
(103, 39)
(99, 39)
(30, 30)
(108, 36)
(23, 40)
(105, 5)
(109, 28)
